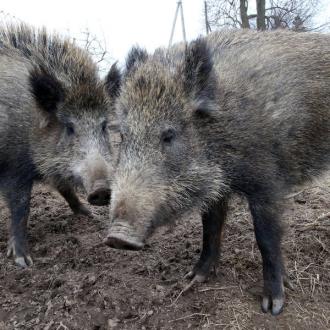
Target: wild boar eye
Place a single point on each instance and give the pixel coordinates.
(104, 126)
(69, 129)
(168, 136)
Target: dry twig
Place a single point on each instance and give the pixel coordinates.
(189, 316)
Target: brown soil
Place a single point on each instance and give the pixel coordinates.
(78, 283)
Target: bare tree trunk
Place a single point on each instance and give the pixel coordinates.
(244, 16)
(261, 23)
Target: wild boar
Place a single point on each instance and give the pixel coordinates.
(237, 112)
(54, 113)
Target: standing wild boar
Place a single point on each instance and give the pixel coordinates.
(53, 125)
(237, 112)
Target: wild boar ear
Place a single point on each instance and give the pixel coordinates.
(199, 78)
(135, 55)
(113, 81)
(48, 92)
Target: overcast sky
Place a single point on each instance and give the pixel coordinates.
(120, 23)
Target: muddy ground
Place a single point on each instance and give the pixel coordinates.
(78, 283)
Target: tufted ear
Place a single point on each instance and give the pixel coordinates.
(199, 78)
(48, 92)
(113, 81)
(135, 56)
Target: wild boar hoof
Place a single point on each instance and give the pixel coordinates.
(198, 277)
(195, 278)
(21, 258)
(274, 305)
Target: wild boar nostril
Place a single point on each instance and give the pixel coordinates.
(100, 197)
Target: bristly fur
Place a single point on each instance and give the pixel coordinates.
(199, 78)
(113, 81)
(46, 89)
(135, 56)
(198, 65)
(57, 57)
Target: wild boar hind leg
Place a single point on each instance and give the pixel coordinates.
(18, 196)
(213, 222)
